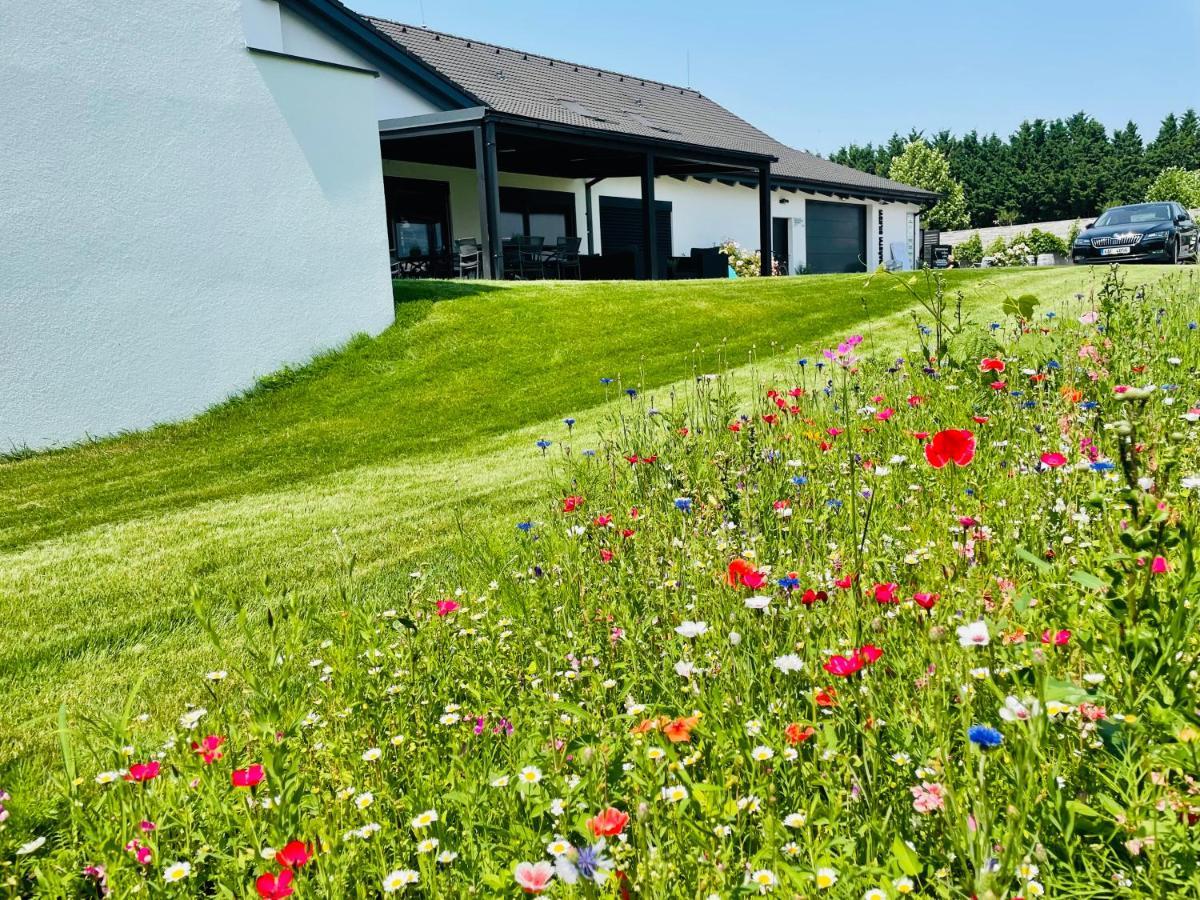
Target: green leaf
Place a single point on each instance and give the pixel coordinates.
(905, 858)
(1040, 564)
(68, 751)
(1089, 581)
(1082, 810)
(1065, 692)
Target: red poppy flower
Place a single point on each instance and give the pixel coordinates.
(998, 385)
(146, 771)
(570, 504)
(884, 414)
(843, 666)
(886, 593)
(926, 601)
(991, 364)
(602, 521)
(1053, 460)
(797, 735)
(845, 581)
(272, 886)
(609, 823)
(248, 777)
(810, 597)
(445, 607)
(825, 698)
(606, 556)
(980, 420)
(956, 445)
(920, 435)
(742, 574)
(869, 653)
(209, 748)
(294, 854)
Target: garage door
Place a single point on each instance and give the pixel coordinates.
(836, 236)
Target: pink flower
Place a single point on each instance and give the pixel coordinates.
(886, 593)
(248, 777)
(143, 855)
(147, 771)
(534, 877)
(445, 607)
(927, 797)
(1159, 565)
(1057, 638)
(1053, 460)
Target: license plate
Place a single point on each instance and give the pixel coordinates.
(1114, 251)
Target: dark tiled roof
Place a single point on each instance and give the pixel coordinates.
(553, 90)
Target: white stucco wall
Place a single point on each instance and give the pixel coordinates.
(180, 215)
(702, 215)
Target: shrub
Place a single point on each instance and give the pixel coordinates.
(746, 263)
(1043, 242)
(1176, 184)
(969, 252)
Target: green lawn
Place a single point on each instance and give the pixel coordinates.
(392, 447)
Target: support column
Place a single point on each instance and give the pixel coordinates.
(764, 217)
(487, 181)
(649, 222)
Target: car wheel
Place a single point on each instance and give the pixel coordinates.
(1173, 259)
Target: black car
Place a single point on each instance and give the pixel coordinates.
(1143, 232)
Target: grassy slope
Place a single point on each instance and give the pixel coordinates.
(396, 444)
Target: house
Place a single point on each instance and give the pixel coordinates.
(196, 194)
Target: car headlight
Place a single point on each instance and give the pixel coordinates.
(1083, 242)
(1154, 236)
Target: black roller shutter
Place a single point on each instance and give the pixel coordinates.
(621, 226)
(836, 237)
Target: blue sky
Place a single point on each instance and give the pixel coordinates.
(818, 74)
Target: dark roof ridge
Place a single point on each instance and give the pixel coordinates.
(528, 53)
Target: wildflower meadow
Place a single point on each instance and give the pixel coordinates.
(869, 627)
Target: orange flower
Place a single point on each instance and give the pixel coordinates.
(797, 735)
(825, 697)
(1072, 395)
(679, 730)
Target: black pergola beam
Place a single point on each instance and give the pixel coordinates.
(649, 221)
(764, 220)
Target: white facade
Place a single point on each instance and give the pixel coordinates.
(179, 214)
(702, 215)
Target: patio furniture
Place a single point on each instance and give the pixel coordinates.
(899, 254)
(524, 256)
(468, 258)
(564, 257)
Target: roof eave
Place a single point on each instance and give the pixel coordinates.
(355, 32)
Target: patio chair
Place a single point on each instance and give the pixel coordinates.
(899, 256)
(530, 253)
(468, 258)
(564, 258)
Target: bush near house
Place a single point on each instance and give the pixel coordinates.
(969, 252)
(845, 623)
(1176, 184)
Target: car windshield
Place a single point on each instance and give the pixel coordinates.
(1136, 215)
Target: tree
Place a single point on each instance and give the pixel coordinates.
(1126, 176)
(922, 166)
(1176, 184)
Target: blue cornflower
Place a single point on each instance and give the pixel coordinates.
(1053, 364)
(632, 392)
(570, 423)
(1191, 326)
(833, 503)
(799, 480)
(820, 366)
(1016, 393)
(1029, 404)
(1088, 404)
(970, 492)
(543, 445)
(525, 526)
(994, 326)
(683, 504)
(985, 737)
(802, 362)
(606, 381)
(789, 582)
(589, 453)
(1102, 465)
(1051, 314)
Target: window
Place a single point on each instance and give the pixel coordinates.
(547, 214)
(418, 217)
